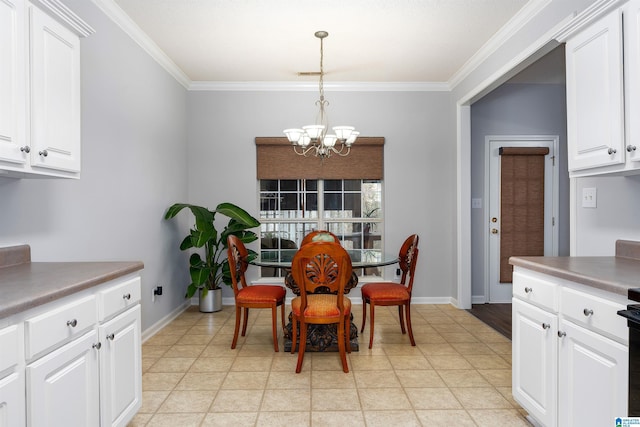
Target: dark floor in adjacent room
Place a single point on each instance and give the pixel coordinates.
(498, 316)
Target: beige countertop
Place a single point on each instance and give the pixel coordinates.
(29, 284)
(610, 273)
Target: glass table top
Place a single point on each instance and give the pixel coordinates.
(360, 258)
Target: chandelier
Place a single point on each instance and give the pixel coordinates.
(314, 139)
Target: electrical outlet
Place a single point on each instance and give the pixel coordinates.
(156, 292)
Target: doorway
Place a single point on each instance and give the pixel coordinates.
(542, 203)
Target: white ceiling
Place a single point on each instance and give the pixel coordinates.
(369, 40)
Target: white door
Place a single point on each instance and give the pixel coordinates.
(55, 94)
(62, 387)
(120, 368)
(593, 378)
(496, 292)
(535, 367)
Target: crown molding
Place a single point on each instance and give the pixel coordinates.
(528, 12)
(587, 17)
(117, 15)
(313, 86)
(67, 16)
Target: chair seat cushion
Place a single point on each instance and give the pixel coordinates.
(261, 294)
(321, 305)
(385, 291)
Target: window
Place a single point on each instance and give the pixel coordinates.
(349, 208)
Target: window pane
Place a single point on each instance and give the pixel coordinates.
(268, 185)
(333, 185)
(332, 202)
(352, 185)
(289, 185)
(352, 204)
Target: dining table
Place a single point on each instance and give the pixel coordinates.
(322, 337)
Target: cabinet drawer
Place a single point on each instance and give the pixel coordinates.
(55, 326)
(118, 297)
(9, 347)
(535, 290)
(595, 313)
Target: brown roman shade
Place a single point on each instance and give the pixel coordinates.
(521, 205)
(275, 159)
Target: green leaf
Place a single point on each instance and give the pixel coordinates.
(238, 214)
(199, 276)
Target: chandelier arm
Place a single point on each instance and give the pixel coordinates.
(340, 152)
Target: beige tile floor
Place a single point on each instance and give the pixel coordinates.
(459, 373)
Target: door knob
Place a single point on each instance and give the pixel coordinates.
(494, 231)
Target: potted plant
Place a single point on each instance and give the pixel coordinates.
(209, 272)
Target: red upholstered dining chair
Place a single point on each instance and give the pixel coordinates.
(392, 293)
(319, 236)
(256, 296)
(321, 267)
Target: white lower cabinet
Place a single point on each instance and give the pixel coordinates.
(12, 386)
(120, 367)
(62, 387)
(534, 359)
(76, 361)
(593, 374)
(570, 352)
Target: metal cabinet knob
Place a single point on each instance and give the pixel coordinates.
(587, 312)
(73, 323)
(528, 290)
(561, 334)
(25, 149)
(612, 151)
(494, 231)
(97, 345)
(111, 337)
(631, 148)
(43, 153)
(126, 296)
(546, 326)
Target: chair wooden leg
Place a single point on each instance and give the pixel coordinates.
(294, 332)
(347, 332)
(301, 346)
(408, 312)
(364, 314)
(282, 313)
(237, 328)
(371, 319)
(274, 323)
(246, 320)
(341, 345)
(401, 317)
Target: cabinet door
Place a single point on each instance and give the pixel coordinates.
(120, 368)
(12, 412)
(534, 355)
(62, 387)
(595, 125)
(632, 80)
(12, 83)
(55, 94)
(593, 375)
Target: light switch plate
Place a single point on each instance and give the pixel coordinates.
(589, 198)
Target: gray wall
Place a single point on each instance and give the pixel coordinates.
(133, 166)
(615, 217)
(515, 109)
(419, 162)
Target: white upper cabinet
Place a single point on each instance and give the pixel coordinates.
(595, 124)
(12, 83)
(40, 89)
(603, 90)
